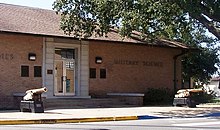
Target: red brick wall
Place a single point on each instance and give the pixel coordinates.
(14, 50)
(131, 68)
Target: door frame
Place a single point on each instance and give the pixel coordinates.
(77, 68)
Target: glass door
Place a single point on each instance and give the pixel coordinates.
(69, 76)
(64, 64)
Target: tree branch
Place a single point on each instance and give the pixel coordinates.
(209, 25)
(206, 11)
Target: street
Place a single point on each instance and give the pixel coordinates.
(153, 124)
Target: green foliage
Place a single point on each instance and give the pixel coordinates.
(203, 97)
(152, 17)
(186, 21)
(206, 12)
(85, 17)
(158, 96)
(201, 65)
(215, 101)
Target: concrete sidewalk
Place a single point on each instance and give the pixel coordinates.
(105, 114)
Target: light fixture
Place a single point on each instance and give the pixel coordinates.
(32, 56)
(98, 60)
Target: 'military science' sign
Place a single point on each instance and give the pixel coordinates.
(136, 62)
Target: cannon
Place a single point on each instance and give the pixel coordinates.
(32, 101)
(187, 97)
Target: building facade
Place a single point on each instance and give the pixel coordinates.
(17, 72)
(130, 68)
(35, 53)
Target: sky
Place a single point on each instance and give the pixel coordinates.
(44, 4)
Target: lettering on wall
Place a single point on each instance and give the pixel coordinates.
(153, 63)
(126, 62)
(136, 62)
(6, 56)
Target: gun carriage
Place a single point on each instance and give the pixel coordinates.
(32, 101)
(187, 97)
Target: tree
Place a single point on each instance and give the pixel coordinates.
(84, 17)
(196, 65)
(151, 17)
(207, 12)
(186, 21)
(201, 65)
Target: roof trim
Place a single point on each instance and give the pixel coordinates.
(120, 42)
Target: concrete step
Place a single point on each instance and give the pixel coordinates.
(84, 103)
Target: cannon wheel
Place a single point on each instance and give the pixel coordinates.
(191, 103)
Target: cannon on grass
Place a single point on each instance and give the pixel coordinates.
(32, 101)
(187, 97)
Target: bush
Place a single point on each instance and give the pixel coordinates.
(203, 97)
(158, 96)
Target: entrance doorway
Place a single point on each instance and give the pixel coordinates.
(65, 72)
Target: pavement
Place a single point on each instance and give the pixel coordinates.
(51, 116)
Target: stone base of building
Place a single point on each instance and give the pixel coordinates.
(129, 98)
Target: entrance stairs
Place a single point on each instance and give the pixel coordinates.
(85, 103)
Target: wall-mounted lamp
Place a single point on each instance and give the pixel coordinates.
(98, 60)
(32, 56)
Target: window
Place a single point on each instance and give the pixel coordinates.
(68, 54)
(70, 65)
(65, 53)
(24, 71)
(37, 71)
(92, 73)
(102, 73)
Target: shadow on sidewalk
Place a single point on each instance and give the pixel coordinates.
(192, 112)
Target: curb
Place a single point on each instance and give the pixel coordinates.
(73, 120)
(76, 120)
(96, 119)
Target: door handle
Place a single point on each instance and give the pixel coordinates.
(64, 78)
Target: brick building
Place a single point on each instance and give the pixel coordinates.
(34, 53)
